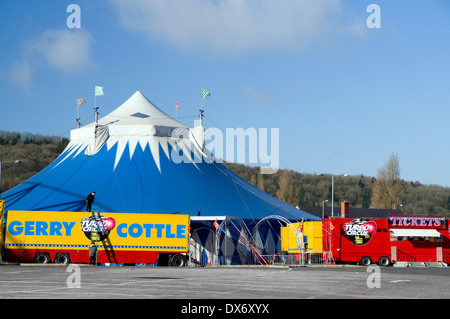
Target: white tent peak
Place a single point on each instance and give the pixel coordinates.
(137, 122)
(138, 110)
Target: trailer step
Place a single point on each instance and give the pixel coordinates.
(419, 264)
(436, 264)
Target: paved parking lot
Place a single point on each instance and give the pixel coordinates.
(224, 283)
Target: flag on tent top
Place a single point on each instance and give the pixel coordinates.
(205, 94)
(176, 104)
(98, 90)
(80, 101)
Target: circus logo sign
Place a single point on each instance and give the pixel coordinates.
(360, 231)
(97, 227)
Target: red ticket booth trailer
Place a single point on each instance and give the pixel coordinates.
(397, 238)
(357, 240)
(419, 238)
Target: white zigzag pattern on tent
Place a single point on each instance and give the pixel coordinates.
(75, 148)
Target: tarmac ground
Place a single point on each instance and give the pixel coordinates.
(222, 283)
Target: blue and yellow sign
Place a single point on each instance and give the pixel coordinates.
(74, 230)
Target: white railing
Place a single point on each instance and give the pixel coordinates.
(325, 258)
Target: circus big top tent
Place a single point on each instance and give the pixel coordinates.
(127, 158)
(140, 160)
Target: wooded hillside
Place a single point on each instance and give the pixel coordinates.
(34, 151)
(297, 189)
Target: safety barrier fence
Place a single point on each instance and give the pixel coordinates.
(325, 258)
(234, 244)
(277, 259)
(198, 256)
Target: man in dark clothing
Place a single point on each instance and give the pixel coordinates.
(92, 252)
(90, 201)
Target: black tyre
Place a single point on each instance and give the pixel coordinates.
(384, 261)
(177, 261)
(42, 258)
(365, 261)
(62, 258)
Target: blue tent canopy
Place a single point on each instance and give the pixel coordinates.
(127, 158)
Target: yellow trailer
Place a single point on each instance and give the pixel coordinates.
(119, 238)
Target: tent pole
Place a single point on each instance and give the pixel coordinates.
(95, 109)
(78, 116)
(96, 115)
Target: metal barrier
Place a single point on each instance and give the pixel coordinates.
(325, 258)
(198, 256)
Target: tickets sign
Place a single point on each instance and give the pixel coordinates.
(416, 221)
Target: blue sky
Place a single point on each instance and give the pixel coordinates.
(344, 96)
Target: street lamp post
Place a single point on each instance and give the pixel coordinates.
(5, 162)
(332, 195)
(332, 191)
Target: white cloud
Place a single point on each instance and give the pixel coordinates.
(68, 51)
(228, 27)
(65, 50)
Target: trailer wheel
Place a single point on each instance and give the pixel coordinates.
(177, 261)
(42, 258)
(365, 261)
(62, 258)
(384, 261)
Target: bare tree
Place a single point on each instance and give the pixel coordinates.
(387, 191)
(287, 189)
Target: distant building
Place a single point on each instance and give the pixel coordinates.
(351, 212)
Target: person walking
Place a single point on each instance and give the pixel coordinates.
(90, 201)
(92, 253)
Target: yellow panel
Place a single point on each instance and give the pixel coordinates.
(289, 241)
(74, 230)
(313, 232)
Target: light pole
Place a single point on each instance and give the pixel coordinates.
(332, 195)
(332, 190)
(323, 208)
(13, 162)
